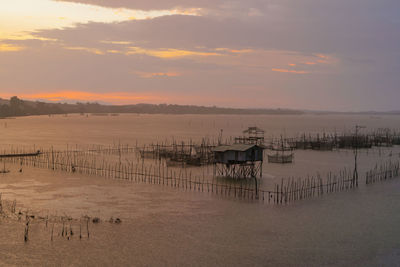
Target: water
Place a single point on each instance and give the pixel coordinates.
(58, 131)
(165, 226)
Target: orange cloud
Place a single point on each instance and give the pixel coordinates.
(113, 51)
(168, 53)
(157, 74)
(290, 71)
(326, 59)
(188, 11)
(115, 97)
(234, 51)
(116, 42)
(87, 49)
(10, 48)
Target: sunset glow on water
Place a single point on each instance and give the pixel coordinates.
(199, 133)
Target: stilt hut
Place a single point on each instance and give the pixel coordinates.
(238, 161)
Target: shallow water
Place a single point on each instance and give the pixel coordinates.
(165, 226)
(59, 131)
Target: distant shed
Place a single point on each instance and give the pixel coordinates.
(238, 153)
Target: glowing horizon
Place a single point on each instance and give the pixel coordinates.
(222, 52)
(81, 96)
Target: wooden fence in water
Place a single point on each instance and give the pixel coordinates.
(383, 172)
(293, 189)
(287, 191)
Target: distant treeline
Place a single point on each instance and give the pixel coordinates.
(17, 107)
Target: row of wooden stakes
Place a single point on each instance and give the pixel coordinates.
(288, 190)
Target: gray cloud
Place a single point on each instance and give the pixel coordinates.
(345, 27)
(172, 4)
(361, 35)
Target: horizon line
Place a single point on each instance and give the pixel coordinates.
(75, 102)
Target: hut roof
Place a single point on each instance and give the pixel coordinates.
(236, 147)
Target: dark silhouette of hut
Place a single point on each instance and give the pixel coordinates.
(238, 161)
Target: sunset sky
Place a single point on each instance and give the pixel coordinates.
(304, 54)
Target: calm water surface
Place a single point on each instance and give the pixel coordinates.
(167, 227)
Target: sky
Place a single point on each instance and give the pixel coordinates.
(341, 55)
